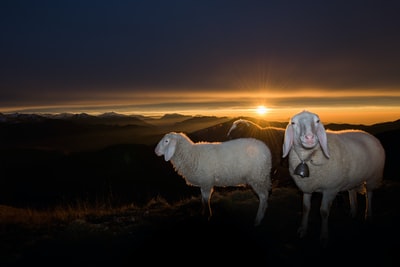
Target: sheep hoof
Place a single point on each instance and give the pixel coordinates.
(353, 215)
(368, 219)
(301, 232)
(353, 212)
(324, 242)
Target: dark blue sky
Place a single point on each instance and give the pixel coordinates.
(90, 52)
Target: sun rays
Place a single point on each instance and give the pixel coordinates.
(261, 110)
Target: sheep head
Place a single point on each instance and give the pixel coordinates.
(166, 146)
(305, 129)
(238, 124)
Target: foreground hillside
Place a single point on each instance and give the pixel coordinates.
(176, 233)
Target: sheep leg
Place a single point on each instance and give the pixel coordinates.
(206, 201)
(326, 203)
(353, 203)
(368, 205)
(302, 231)
(262, 206)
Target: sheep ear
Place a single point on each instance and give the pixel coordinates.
(170, 149)
(288, 142)
(323, 141)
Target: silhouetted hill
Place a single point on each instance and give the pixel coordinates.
(390, 140)
(373, 129)
(174, 116)
(198, 123)
(69, 135)
(121, 173)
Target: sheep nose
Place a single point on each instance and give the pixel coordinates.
(309, 136)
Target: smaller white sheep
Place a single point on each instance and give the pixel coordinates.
(239, 162)
(271, 136)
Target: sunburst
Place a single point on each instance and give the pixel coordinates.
(261, 110)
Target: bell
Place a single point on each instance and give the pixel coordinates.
(302, 170)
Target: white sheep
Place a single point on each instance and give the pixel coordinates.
(272, 137)
(330, 162)
(239, 162)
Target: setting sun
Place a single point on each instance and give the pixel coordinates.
(261, 110)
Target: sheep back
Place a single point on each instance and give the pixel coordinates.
(230, 163)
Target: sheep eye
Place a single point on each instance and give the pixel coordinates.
(317, 121)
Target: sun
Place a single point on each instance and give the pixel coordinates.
(261, 110)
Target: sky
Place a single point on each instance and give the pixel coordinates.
(340, 59)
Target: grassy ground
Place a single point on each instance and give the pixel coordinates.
(176, 233)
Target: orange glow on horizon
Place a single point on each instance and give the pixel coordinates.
(354, 107)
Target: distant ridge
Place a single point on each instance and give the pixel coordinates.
(175, 116)
(173, 119)
(108, 118)
(374, 129)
